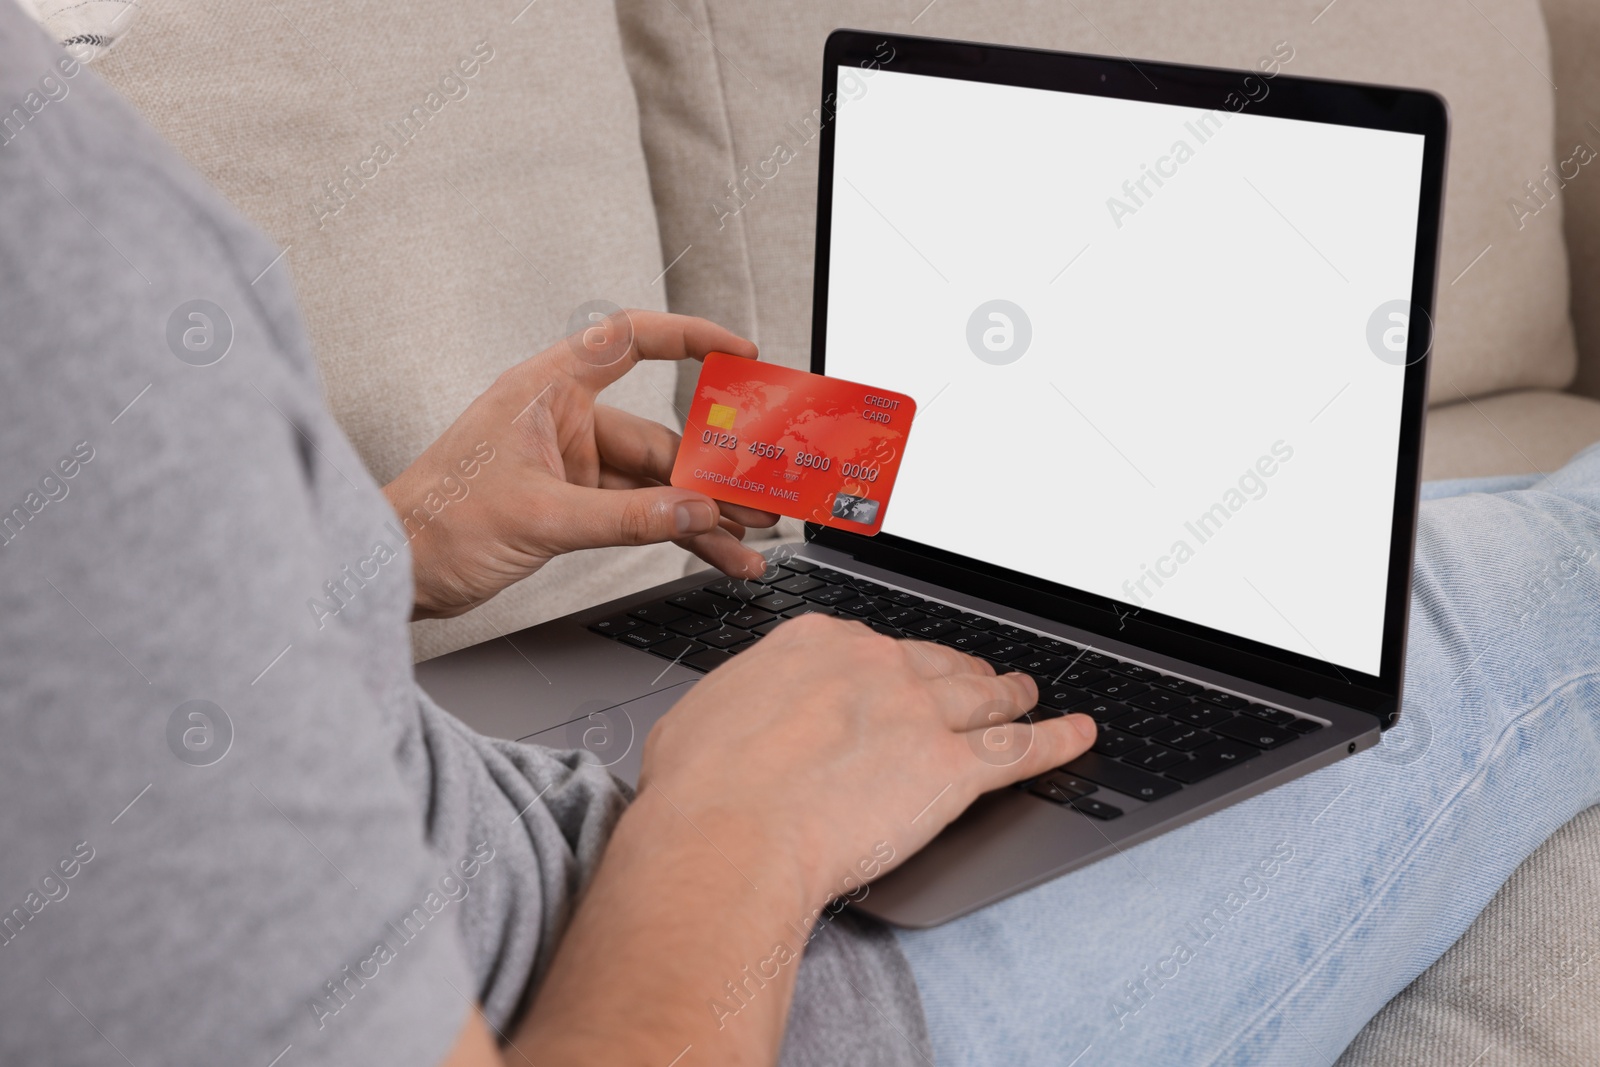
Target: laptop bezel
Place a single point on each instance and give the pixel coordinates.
(1345, 103)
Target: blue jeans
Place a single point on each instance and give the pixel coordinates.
(1271, 932)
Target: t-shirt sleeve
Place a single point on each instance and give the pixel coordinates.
(213, 852)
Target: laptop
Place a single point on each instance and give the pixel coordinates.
(1168, 330)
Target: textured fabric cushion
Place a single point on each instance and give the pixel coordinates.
(722, 82)
(1512, 433)
(1517, 988)
(509, 196)
(1574, 33)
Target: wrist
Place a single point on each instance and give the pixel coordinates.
(724, 849)
(425, 536)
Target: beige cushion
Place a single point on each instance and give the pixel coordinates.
(1518, 988)
(464, 253)
(722, 81)
(1574, 34)
(1513, 433)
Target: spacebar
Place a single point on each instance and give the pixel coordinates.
(1121, 777)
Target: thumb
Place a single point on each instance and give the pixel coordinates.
(596, 518)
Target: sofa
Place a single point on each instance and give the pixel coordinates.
(450, 182)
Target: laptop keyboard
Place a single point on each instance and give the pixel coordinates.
(1158, 733)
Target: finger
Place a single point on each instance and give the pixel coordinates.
(639, 446)
(970, 702)
(727, 553)
(1029, 749)
(611, 478)
(605, 351)
(663, 335)
(580, 517)
(633, 444)
(938, 661)
(746, 516)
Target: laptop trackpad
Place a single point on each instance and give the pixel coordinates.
(613, 737)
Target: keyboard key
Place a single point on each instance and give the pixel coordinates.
(798, 585)
(1054, 646)
(1096, 807)
(1041, 663)
(931, 629)
(1162, 700)
(726, 637)
(1061, 788)
(1225, 700)
(942, 611)
(659, 614)
(1136, 672)
(1006, 651)
(900, 596)
(1142, 723)
(1115, 743)
(1215, 757)
(1275, 716)
(703, 603)
(1253, 732)
(707, 659)
(966, 640)
(1129, 781)
(737, 589)
(1102, 710)
(832, 595)
(1118, 688)
(778, 603)
(861, 585)
(1305, 726)
(644, 638)
(864, 607)
(1015, 633)
(615, 626)
(748, 618)
(896, 615)
(1203, 715)
(976, 622)
(1183, 737)
(883, 628)
(1179, 685)
(1062, 697)
(773, 573)
(694, 625)
(675, 648)
(1154, 758)
(1084, 677)
(1097, 659)
(799, 566)
(830, 576)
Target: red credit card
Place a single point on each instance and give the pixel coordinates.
(804, 445)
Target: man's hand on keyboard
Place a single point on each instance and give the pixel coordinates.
(827, 739)
(534, 468)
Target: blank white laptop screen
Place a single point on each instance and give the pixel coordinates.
(1156, 350)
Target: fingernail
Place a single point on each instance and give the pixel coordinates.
(694, 516)
(1084, 725)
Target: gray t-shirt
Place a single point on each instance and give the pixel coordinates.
(236, 831)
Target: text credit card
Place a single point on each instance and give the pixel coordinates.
(804, 445)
